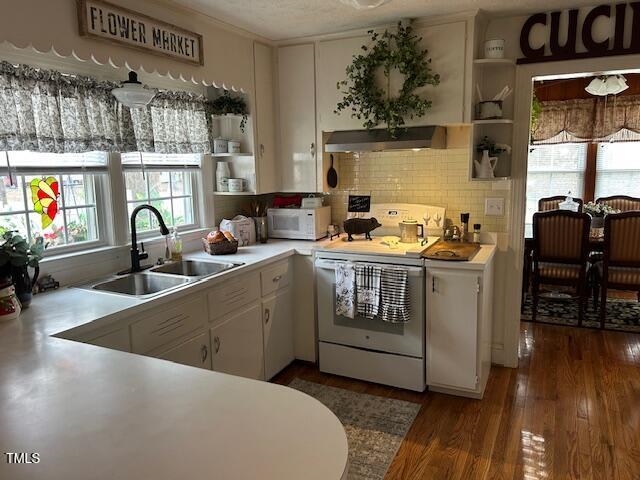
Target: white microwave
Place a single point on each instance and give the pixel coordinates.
(299, 223)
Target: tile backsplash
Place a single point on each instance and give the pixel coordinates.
(433, 177)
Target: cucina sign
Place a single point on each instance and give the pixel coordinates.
(620, 18)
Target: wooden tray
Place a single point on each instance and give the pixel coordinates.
(452, 251)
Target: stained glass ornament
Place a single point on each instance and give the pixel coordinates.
(44, 195)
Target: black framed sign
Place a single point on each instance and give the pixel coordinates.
(108, 22)
(359, 203)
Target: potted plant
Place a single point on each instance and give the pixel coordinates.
(231, 105)
(598, 211)
(16, 256)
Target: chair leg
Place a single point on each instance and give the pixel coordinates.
(603, 305)
(535, 295)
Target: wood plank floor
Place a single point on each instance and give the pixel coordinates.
(571, 410)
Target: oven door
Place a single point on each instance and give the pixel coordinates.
(374, 334)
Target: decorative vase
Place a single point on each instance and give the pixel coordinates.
(486, 166)
(597, 222)
(222, 177)
(9, 303)
(262, 230)
(23, 283)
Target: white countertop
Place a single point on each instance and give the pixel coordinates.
(96, 413)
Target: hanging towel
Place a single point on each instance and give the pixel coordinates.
(395, 295)
(368, 289)
(346, 289)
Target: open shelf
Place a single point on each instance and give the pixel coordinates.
(215, 155)
(494, 62)
(234, 193)
(493, 121)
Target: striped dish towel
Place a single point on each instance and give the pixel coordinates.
(395, 295)
(368, 289)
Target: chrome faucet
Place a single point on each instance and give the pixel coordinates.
(136, 255)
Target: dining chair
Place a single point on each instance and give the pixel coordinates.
(624, 203)
(553, 203)
(561, 247)
(621, 263)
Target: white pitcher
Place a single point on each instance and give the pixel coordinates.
(486, 166)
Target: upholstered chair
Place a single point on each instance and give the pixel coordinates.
(620, 268)
(621, 202)
(553, 203)
(561, 247)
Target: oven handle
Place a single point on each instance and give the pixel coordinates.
(332, 264)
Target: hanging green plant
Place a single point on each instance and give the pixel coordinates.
(226, 104)
(374, 104)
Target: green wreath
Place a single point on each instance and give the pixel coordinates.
(367, 100)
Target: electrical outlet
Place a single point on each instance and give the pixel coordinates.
(494, 207)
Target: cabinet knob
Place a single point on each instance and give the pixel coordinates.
(312, 150)
(205, 353)
(261, 150)
(267, 315)
(277, 278)
(433, 284)
(216, 344)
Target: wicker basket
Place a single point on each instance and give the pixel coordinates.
(225, 247)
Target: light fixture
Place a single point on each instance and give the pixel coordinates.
(607, 85)
(133, 94)
(364, 4)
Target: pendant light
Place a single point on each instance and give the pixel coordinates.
(365, 4)
(132, 93)
(607, 85)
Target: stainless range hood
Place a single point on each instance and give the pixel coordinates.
(379, 139)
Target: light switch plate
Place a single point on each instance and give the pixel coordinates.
(494, 206)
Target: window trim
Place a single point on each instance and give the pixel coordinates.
(101, 224)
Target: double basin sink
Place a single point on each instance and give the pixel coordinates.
(161, 278)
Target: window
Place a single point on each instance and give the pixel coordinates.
(77, 221)
(554, 170)
(618, 169)
(164, 181)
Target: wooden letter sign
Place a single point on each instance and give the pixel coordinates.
(615, 15)
(105, 21)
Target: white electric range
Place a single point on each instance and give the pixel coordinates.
(371, 349)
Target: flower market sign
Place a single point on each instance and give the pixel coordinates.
(105, 21)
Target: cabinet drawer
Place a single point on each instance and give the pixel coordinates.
(233, 294)
(167, 324)
(275, 277)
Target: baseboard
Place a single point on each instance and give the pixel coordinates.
(497, 355)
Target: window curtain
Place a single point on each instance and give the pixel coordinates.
(47, 111)
(174, 122)
(592, 120)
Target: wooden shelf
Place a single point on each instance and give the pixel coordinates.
(494, 62)
(234, 193)
(232, 155)
(493, 121)
(495, 179)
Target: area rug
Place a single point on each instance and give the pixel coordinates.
(375, 426)
(622, 315)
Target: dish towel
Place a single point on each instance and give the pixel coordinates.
(395, 295)
(346, 289)
(368, 289)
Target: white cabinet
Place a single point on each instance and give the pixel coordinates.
(117, 340)
(194, 352)
(236, 343)
(297, 108)
(277, 325)
(459, 329)
(265, 150)
(334, 56)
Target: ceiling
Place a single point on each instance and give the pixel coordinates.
(286, 19)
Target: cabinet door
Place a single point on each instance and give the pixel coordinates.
(116, 340)
(236, 344)
(277, 324)
(296, 80)
(194, 352)
(452, 328)
(334, 56)
(265, 152)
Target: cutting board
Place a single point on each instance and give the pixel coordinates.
(452, 251)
